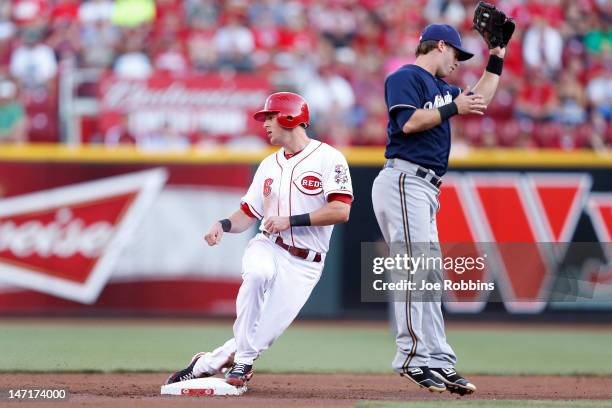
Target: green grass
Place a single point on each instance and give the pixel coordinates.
(529, 351)
(489, 403)
(153, 346)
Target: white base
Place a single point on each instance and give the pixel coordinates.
(207, 387)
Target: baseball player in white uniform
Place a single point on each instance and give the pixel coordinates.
(299, 193)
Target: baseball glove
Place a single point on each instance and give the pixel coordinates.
(493, 25)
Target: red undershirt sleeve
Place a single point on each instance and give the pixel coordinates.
(345, 198)
(245, 209)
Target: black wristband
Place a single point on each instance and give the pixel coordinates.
(448, 110)
(226, 225)
(495, 65)
(301, 220)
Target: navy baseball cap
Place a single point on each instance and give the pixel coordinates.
(449, 35)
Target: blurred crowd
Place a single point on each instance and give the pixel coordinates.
(556, 90)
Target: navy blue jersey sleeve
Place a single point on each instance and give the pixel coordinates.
(404, 94)
(401, 116)
(404, 91)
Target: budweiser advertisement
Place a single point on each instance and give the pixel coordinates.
(191, 105)
(111, 237)
(65, 241)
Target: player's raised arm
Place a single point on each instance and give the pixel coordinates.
(496, 29)
(487, 84)
(236, 223)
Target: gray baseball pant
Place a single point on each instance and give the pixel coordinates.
(405, 206)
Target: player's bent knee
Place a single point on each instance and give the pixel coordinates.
(256, 274)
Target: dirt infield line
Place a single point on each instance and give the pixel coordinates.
(300, 390)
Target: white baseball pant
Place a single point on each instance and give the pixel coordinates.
(275, 287)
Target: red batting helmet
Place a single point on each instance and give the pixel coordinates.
(291, 108)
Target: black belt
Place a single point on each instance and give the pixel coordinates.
(434, 179)
(295, 251)
(414, 169)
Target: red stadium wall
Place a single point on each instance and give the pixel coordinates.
(48, 214)
(97, 231)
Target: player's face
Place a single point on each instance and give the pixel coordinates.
(275, 132)
(450, 61)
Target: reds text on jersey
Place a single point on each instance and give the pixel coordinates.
(298, 185)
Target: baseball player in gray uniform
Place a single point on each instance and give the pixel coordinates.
(405, 193)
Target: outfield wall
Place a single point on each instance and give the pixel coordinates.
(91, 230)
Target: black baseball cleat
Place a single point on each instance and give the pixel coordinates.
(187, 373)
(455, 383)
(239, 374)
(424, 378)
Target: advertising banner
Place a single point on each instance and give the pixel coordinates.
(86, 237)
(543, 239)
(211, 104)
(126, 235)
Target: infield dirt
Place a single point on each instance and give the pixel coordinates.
(295, 390)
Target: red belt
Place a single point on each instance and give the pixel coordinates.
(295, 251)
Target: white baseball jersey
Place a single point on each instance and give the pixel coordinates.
(298, 185)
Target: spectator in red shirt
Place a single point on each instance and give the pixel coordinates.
(167, 7)
(513, 61)
(548, 10)
(536, 98)
(65, 10)
(371, 32)
(296, 35)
